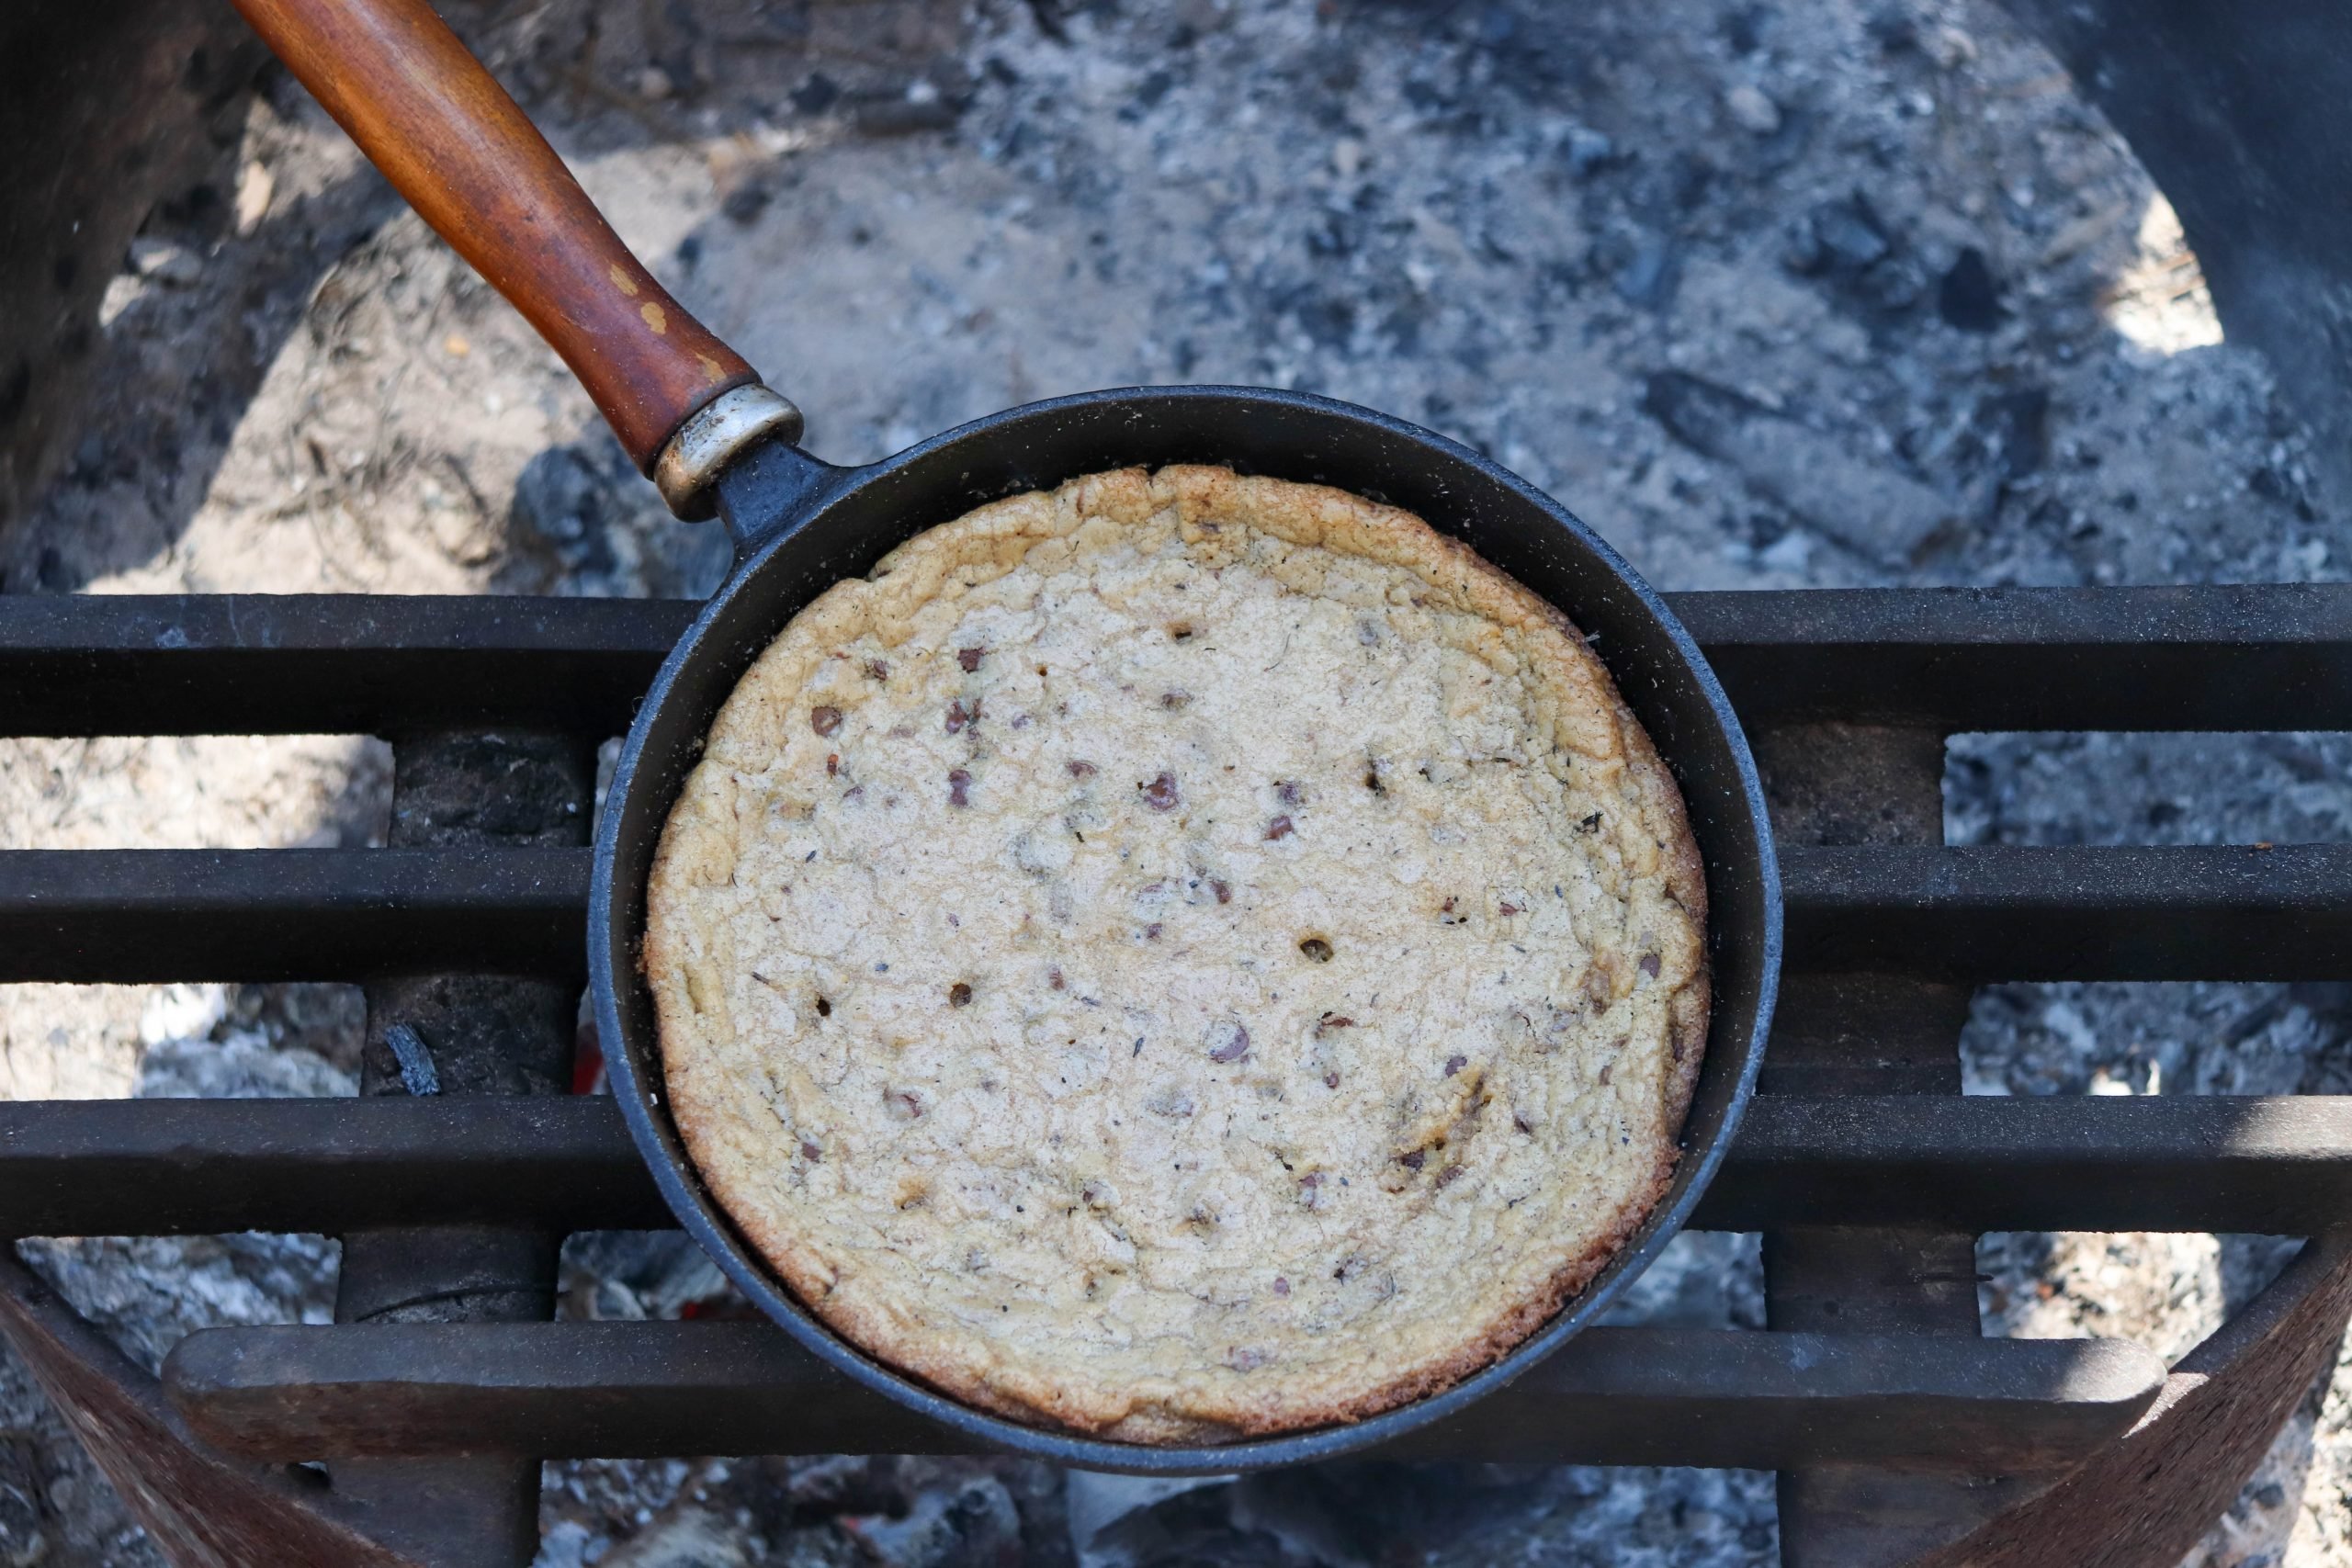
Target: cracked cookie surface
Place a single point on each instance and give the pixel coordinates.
(1181, 957)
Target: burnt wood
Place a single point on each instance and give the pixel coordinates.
(2280, 1166)
(473, 165)
(1610, 1396)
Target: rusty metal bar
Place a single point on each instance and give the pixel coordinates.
(2151, 1495)
(198, 1505)
(1611, 1396)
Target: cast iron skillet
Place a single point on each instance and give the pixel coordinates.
(692, 413)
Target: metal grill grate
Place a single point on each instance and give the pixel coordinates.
(1901, 1435)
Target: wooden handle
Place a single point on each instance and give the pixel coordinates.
(473, 165)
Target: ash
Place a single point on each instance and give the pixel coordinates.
(1797, 296)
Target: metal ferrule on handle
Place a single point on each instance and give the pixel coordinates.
(712, 437)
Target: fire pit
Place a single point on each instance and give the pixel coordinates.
(411, 1430)
(1900, 1433)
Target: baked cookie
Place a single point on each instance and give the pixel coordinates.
(1181, 957)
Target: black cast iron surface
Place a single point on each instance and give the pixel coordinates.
(800, 526)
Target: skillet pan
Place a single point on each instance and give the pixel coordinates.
(694, 418)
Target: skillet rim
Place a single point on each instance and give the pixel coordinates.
(614, 928)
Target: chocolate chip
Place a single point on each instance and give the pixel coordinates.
(1151, 931)
(877, 671)
(1333, 1020)
(969, 657)
(825, 721)
(959, 715)
(1455, 1064)
(1330, 1080)
(1447, 1177)
(1413, 1161)
(824, 1008)
(1590, 824)
(1228, 1040)
(1278, 828)
(810, 1152)
(1507, 909)
(959, 995)
(1281, 1287)
(1081, 769)
(1054, 977)
(1160, 793)
(959, 782)
(1520, 1123)
(1224, 893)
(1315, 947)
(1287, 793)
(1650, 964)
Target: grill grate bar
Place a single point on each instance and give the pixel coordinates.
(2274, 1164)
(326, 664)
(2280, 1166)
(1896, 919)
(2231, 656)
(2222, 658)
(2029, 912)
(131, 916)
(210, 1167)
(1997, 912)
(1610, 1396)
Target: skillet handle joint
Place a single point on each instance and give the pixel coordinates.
(712, 437)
